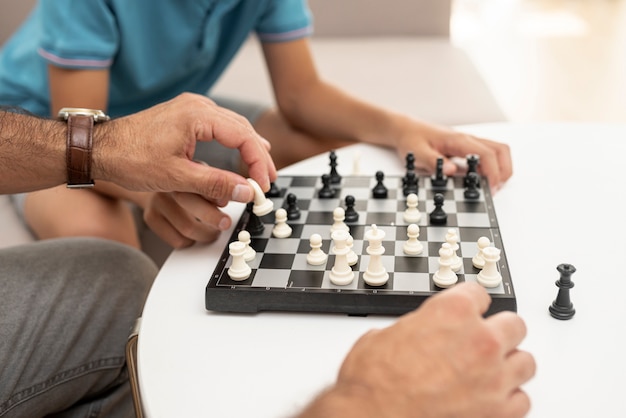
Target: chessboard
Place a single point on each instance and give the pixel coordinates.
(282, 280)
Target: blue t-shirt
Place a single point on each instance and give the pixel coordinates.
(155, 49)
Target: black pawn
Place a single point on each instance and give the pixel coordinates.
(439, 180)
(326, 192)
(409, 183)
(274, 191)
(562, 307)
(293, 211)
(351, 214)
(472, 167)
(471, 187)
(438, 216)
(254, 226)
(379, 191)
(335, 178)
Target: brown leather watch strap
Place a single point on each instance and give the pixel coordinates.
(79, 146)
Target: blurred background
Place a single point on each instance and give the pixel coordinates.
(556, 60)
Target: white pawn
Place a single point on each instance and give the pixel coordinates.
(339, 215)
(244, 236)
(452, 238)
(478, 260)
(445, 277)
(262, 205)
(412, 246)
(489, 276)
(352, 257)
(376, 274)
(281, 229)
(341, 274)
(316, 257)
(412, 214)
(239, 270)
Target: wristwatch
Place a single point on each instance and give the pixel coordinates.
(79, 144)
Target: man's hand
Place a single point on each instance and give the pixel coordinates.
(442, 360)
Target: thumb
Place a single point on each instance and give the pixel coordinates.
(216, 184)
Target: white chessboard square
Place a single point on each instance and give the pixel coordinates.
(388, 262)
(437, 233)
(473, 219)
(282, 246)
(468, 249)
(390, 232)
(460, 197)
(324, 205)
(308, 230)
(391, 183)
(493, 290)
(382, 205)
(358, 193)
(283, 182)
(299, 263)
(411, 282)
(304, 193)
(433, 264)
(422, 222)
(271, 278)
(449, 206)
(327, 284)
(399, 251)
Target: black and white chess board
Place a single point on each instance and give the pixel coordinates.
(282, 280)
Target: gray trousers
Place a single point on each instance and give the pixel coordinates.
(67, 307)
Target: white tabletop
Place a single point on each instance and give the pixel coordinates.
(564, 204)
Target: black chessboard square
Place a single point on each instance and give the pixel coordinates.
(386, 286)
(421, 206)
(277, 261)
(452, 220)
(306, 278)
(380, 218)
(258, 244)
(324, 218)
(473, 234)
(435, 288)
(225, 279)
(470, 207)
(411, 265)
(303, 182)
(448, 194)
(468, 266)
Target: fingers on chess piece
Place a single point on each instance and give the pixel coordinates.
(478, 260)
(239, 270)
(412, 213)
(380, 190)
(281, 228)
(262, 205)
(489, 276)
(412, 246)
(375, 274)
(445, 277)
(438, 216)
(293, 211)
(562, 307)
(316, 257)
(341, 274)
(250, 253)
(351, 214)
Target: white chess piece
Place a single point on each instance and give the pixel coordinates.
(412, 214)
(453, 239)
(339, 215)
(356, 163)
(341, 274)
(412, 246)
(262, 205)
(352, 257)
(281, 228)
(376, 274)
(445, 277)
(478, 260)
(316, 257)
(239, 270)
(489, 276)
(250, 253)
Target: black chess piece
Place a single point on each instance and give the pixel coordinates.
(410, 162)
(254, 225)
(472, 167)
(351, 215)
(335, 178)
(293, 211)
(379, 191)
(326, 192)
(409, 183)
(471, 187)
(562, 307)
(438, 216)
(274, 191)
(439, 180)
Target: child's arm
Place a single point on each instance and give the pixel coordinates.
(323, 111)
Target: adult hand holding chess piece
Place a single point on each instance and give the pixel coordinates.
(444, 359)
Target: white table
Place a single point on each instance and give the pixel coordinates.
(563, 204)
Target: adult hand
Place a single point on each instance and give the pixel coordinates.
(152, 150)
(429, 142)
(442, 360)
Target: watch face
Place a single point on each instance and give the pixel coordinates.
(98, 115)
